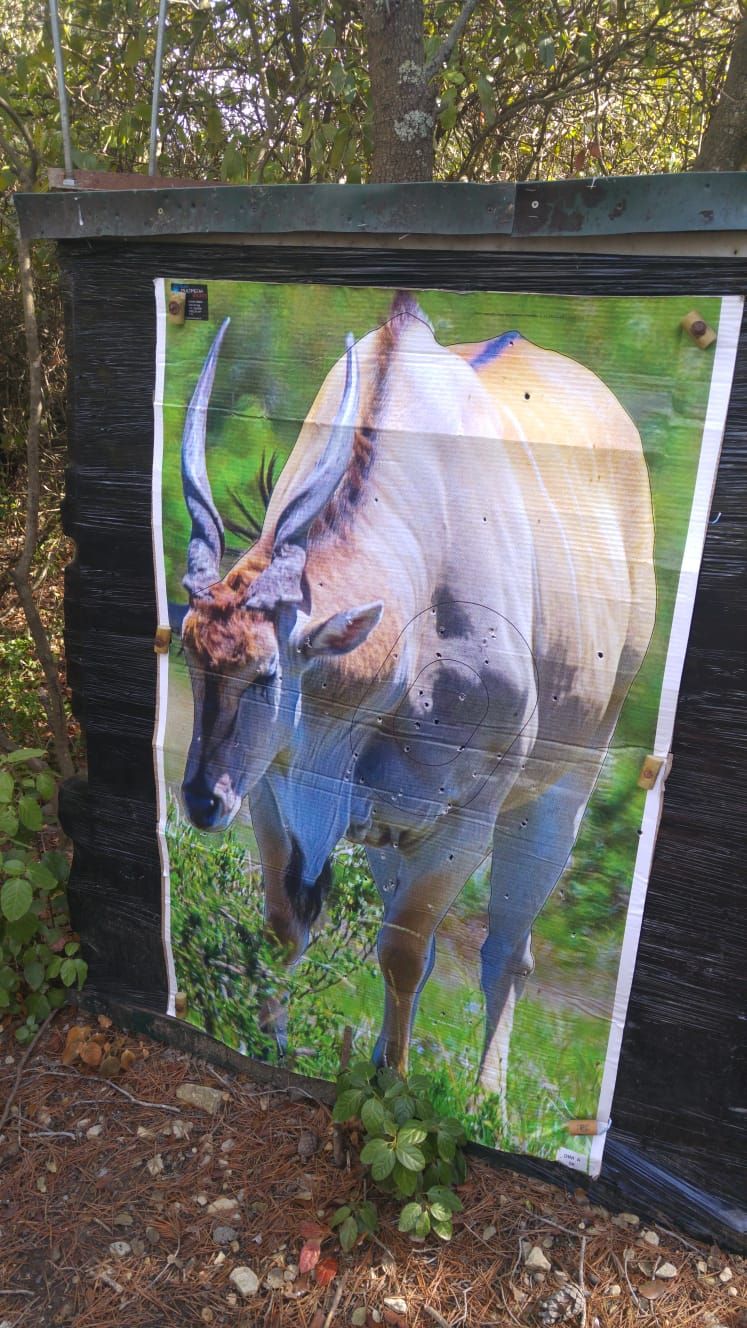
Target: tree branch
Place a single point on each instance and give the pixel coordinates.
(445, 50)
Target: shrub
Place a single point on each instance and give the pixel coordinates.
(39, 959)
(412, 1152)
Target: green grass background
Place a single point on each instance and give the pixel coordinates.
(282, 341)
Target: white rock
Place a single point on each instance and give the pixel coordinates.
(488, 1233)
(536, 1261)
(94, 1132)
(200, 1095)
(223, 1204)
(359, 1316)
(120, 1249)
(275, 1279)
(154, 1165)
(666, 1270)
(396, 1304)
(245, 1280)
(615, 1290)
(650, 1237)
(725, 1275)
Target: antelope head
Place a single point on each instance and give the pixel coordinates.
(246, 642)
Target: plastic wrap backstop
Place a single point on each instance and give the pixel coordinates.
(676, 1142)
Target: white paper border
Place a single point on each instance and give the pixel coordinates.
(713, 431)
(722, 375)
(162, 677)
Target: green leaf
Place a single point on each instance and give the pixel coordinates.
(383, 1166)
(8, 822)
(360, 1074)
(423, 1224)
(14, 866)
(409, 1216)
(45, 785)
(23, 754)
(30, 813)
(446, 1147)
(41, 876)
(348, 1234)
(57, 863)
(368, 1218)
(375, 1117)
(57, 996)
(6, 786)
(375, 1148)
(347, 1105)
(403, 1107)
(38, 1005)
(15, 898)
(442, 1195)
(4, 998)
(8, 977)
(34, 974)
(440, 1213)
(412, 1133)
(72, 947)
(443, 1229)
(68, 971)
(406, 1182)
(410, 1156)
(340, 1216)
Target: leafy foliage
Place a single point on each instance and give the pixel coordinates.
(39, 959)
(413, 1152)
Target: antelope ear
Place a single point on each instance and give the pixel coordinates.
(339, 634)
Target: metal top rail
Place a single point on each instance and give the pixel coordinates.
(609, 206)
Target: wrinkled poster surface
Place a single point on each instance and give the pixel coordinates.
(431, 559)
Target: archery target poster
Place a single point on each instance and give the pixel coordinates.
(429, 559)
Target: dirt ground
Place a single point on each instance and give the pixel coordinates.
(122, 1206)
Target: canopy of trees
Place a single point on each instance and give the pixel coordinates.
(257, 90)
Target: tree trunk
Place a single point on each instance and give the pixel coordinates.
(403, 99)
(724, 146)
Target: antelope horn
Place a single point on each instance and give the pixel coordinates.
(280, 583)
(206, 542)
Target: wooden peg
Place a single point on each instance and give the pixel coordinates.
(180, 1003)
(587, 1127)
(649, 771)
(162, 640)
(703, 335)
(176, 308)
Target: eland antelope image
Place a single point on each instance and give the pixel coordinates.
(426, 648)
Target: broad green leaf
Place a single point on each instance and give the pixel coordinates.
(15, 898)
(375, 1148)
(410, 1156)
(45, 785)
(441, 1194)
(384, 1165)
(446, 1147)
(368, 1218)
(340, 1216)
(375, 1117)
(68, 972)
(34, 974)
(14, 866)
(412, 1132)
(38, 1005)
(23, 754)
(440, 1213)
(6, 786)
(8, 977)
(409, 1216)
(348, 1234)
(423, 1224)
(4, 998)
(443, 1229)
(347, 1105)
(41, 876)
(30, 813)
(8, 822)
(406, 1182)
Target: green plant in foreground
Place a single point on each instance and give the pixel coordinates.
(38, 957)
(413, 1152)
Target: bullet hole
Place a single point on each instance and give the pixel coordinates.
(406, 748)
(600, 654)
(527, 395)
(451, 857)
(523, 824)
(442, 789)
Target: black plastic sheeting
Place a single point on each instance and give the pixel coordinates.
(677, 1143)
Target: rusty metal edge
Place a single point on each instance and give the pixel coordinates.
(621, 205)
